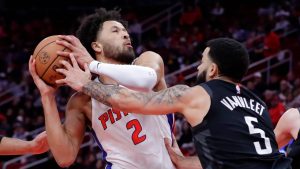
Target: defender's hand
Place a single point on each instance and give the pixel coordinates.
(174, 151)
(75, 77)
(78, 50)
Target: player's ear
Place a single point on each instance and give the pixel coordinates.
(213, 70)
(97, 47)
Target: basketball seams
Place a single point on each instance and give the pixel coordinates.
(42, 49)
(57, 56)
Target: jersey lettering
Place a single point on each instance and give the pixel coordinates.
(111, 115)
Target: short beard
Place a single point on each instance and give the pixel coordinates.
(125, 56)
(201, 78)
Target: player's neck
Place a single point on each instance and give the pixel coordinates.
(224, 78)
(108, 60)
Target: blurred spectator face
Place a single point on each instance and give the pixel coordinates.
(113, 42)
(274, 79)
(297, 82)
(250, 85)
(290, 76)
(257, 78)
(275, 101)
(283, 85)
(268, 95)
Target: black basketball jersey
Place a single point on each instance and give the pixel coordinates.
(237, 131)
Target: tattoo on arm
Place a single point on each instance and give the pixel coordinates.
(100, 92)
(104, 94)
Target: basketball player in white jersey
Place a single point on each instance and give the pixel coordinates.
(128, 140)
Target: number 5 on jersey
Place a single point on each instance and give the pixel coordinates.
(254, 130)
(136, 139)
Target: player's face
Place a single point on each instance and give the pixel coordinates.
(116, 42)
(203, 67)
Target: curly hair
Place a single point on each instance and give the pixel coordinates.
(91, 24)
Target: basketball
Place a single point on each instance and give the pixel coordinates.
(47, 61)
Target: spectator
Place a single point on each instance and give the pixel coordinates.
(259, 84)
(285, 90)
(217, 10)
(271, 42)
(276, 107)
(190, 16)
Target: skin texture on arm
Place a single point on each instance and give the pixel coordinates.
(165, 101)
(14, 146)
(192, 102)
(70, 135)
(64, 141)
(287, 127)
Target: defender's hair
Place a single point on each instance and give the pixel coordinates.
(230, 56)
(91, 24)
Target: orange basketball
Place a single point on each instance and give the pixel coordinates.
(47, 61)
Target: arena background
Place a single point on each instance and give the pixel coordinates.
(177, 30)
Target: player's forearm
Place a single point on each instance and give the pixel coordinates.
(13, 146)
(58, 140)
(189, 163)
(161, 102)
(135, 77)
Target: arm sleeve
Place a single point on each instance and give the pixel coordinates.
(135, 77)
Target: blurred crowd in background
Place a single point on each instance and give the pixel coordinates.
(265, 27)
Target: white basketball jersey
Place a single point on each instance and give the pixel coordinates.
(131, 141)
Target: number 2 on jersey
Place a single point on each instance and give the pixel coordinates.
(254, 130)
(137, 130)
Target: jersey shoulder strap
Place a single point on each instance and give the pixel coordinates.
(207, 89)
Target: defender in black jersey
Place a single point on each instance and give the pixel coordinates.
(237, 131)
(231, 126)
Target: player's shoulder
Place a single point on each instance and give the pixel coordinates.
(196, 103)
(291, 114)
(290, 119)
(200, 93)
(78, 100)
(195, 95)
(150, 53)
(148, 56)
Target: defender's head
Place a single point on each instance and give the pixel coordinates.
(104, 34)
(223, 57)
